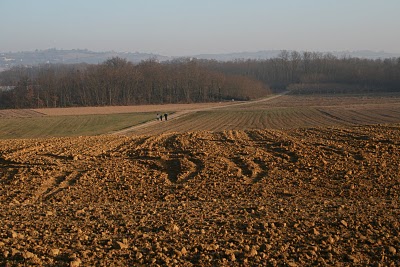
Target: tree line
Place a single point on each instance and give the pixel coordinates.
(119, 82)
(311, 72)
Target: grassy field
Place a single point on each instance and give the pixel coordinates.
(62, 126)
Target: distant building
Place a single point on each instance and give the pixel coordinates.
(7, 59)
(6, 88)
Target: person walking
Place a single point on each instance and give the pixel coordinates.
(166, 116)
(158, 116)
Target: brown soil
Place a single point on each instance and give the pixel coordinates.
(127, 109)
(296, 197)
(19, 113)
(12, 113)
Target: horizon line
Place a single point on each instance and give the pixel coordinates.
(201, 54)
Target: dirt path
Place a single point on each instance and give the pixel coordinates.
(186, 112)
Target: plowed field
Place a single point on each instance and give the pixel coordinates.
(246, 187)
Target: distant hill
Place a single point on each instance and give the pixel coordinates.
(74, 56)
(267, 54)
(366, 54)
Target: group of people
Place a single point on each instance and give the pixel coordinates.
(160, 116)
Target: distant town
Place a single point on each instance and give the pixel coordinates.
(76, 56)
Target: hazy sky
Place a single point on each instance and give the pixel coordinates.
(187, 27)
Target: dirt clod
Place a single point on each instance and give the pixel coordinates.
(230, 198)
